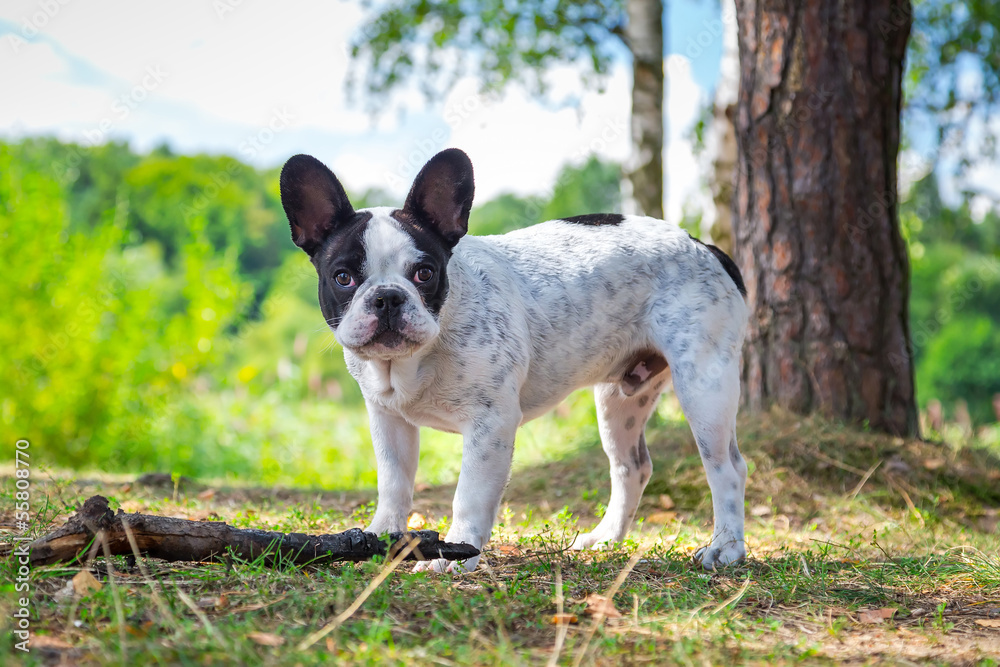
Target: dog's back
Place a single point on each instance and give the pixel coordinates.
(592, 292)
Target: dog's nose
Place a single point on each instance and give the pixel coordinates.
(387, 302)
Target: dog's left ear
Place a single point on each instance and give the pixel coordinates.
(442, 193)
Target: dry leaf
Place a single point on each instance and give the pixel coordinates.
(661, 517)
(933, 464)
(207, 494)
(65, 593)
(875, 615)
(760, 510)
(564, 619)
(918, 612)
(600, 605)
(988, 622)
(141, 633)
(421, 487)
(416, 521)
(48, 641)
(666, 502)
(208, 603)
(257, 605)
(508, 550)
(330, 644)
(265, 638)
(84, 582)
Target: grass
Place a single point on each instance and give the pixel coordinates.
(840, 524)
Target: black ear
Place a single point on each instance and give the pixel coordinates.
(442, 193)
(314, 201)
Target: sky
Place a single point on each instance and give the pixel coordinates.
(245, 78)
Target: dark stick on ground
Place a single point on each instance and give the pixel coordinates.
(174, 539)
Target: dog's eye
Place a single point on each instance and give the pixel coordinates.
(344, 279)
(423, 274)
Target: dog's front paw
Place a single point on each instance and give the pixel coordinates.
(381, 529)
(721, 552)
(599, 538)
(387, 522)
(444, 566)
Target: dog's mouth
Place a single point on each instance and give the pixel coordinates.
(386, 343)
(388, 339)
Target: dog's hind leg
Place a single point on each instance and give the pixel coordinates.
(707, 384)
(622, 421)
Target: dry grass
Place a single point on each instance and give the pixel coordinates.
(841, 524)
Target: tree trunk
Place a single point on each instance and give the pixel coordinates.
(815, 217)
(644, 38)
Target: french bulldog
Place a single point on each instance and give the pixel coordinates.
(478, 335)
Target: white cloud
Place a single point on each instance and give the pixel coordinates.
(226, 77)
(519, 146)
(685, 99)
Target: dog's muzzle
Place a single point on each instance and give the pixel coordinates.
(387, 305)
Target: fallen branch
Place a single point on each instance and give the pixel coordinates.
(174, 539)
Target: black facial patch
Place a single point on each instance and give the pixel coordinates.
(343, 250)
(728, 264)
(436, 251)
(596, 219)
(643, 366)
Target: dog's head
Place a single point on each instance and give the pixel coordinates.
(382, 271)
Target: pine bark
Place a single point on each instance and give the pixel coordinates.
(815, 215)
(644, 38)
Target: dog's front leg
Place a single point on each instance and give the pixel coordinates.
(397, 451)
(486, 459)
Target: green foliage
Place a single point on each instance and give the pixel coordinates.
(98, 338)
(160, 319)
(434, 42)
(237, 205)
(505, 213)
(955, 301)
(594, 187)
(953, 72)
(963, 361)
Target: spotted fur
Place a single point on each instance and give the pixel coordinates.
(515, 324)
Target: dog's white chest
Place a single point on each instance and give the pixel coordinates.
(406, 388)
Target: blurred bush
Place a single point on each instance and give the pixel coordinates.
(99, 338)
(954, 302)
(157, 317)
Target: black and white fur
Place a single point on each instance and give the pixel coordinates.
(478, 335)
